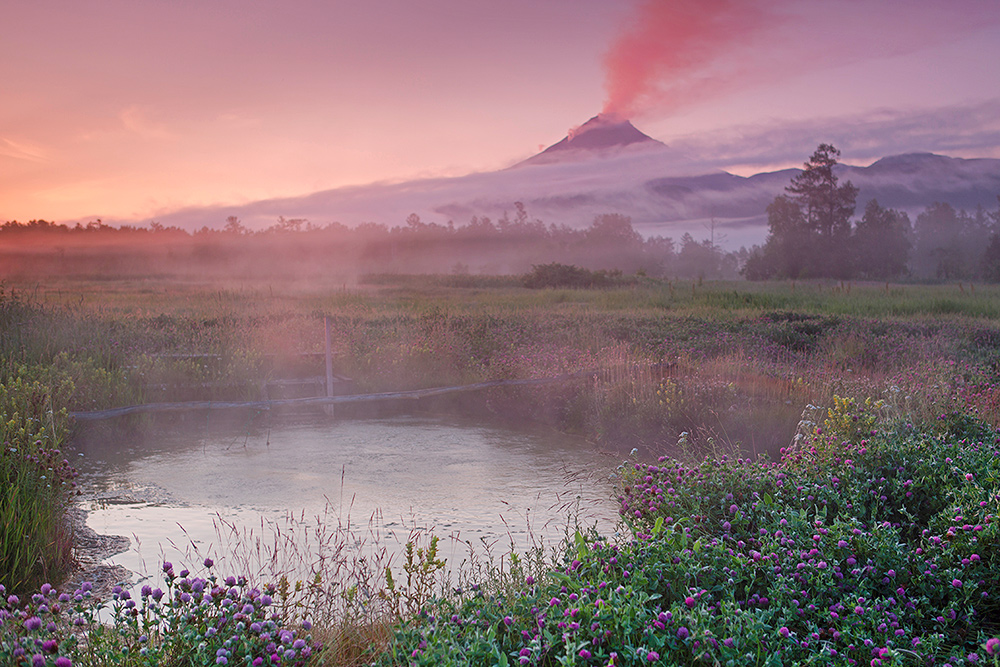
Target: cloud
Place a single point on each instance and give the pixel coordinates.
(971, 130)
(136, 120)
(22, 150)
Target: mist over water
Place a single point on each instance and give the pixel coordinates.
(455, 477)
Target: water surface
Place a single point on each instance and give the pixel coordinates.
(192, 480)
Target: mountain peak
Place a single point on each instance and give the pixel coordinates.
(601, 135)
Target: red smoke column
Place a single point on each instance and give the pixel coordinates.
(665, 58)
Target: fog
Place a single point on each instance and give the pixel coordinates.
(295, 248)
(664, 191)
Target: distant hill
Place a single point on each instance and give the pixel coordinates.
(608, 166)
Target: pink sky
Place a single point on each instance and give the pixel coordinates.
(126, 110)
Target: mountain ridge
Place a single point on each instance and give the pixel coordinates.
(664, 194)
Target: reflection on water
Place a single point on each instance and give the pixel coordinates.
(174, 484)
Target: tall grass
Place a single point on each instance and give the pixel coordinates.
(36, 484)
(731, 361)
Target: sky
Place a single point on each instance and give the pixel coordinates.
(128, 110)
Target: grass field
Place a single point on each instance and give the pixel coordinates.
(881, 387)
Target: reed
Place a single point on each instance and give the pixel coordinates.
(36, 484)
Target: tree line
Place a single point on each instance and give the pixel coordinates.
(512, 244)
(811, 235)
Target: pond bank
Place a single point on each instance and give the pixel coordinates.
(90, 550)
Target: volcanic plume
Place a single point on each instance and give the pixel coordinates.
(675, 53)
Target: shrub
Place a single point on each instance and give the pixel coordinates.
(883, 553)
(564, 275)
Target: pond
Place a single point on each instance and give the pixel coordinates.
(211, 483)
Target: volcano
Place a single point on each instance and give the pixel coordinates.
(601, 136)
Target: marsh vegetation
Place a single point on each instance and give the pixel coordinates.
(851, 425)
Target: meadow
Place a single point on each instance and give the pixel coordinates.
(810, 473)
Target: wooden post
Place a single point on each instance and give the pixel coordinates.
(329, 357)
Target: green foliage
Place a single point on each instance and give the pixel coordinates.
(991, 260)
(851, 421)
(882, 554)
(196, 621)
(809, 229)
(562, 275)
(422, 568)
(36, 484)
(882, 243)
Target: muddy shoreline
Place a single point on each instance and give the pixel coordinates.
(90, 550)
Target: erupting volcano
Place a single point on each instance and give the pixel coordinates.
(601, 136)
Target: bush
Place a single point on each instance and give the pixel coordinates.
(563, 275)
(884, 552)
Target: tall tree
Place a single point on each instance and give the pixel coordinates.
(938, 253)
(827, 206)
(882, 242)
(809, 229)
(990, 263)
